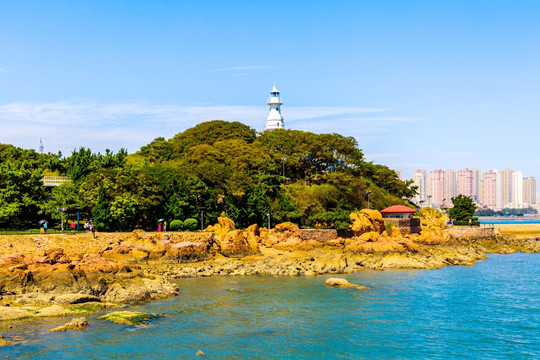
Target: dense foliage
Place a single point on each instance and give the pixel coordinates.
(463, 209)
(216, 167)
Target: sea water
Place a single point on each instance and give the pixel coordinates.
(487, 311)
(503, 221)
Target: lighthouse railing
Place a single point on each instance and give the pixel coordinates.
(274, 100)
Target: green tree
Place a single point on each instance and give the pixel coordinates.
(101, 212)
(463, 209)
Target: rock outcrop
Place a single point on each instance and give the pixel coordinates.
(128, 317)
(91, 276)
(230, 241)
(340, 282)
(367, 221)
(61, 275)
(75, 324)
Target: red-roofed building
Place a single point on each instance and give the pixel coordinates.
(402, 217)
(398, 211)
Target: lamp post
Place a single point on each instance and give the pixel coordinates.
(62, 210)
(201, 209)
(429, 200)
(268, 215)
(78, 211)
(368, 193)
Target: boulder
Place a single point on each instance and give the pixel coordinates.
(367, 221)
(75, 324)
(233, 244)
(340, 282)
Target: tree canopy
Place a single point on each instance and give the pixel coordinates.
(224, 167)
(464, 208)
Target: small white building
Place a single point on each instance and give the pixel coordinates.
(274, 120)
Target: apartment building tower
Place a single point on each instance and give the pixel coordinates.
(436, 188)
(529, 191)
(489, 189)
(464, 183)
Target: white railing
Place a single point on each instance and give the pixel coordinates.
(274, 100)
(55, 180)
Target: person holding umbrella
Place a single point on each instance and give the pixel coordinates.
(44, 224)
(159, 224)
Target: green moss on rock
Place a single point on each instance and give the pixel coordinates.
(128, 317)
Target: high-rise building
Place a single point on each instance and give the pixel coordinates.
(449, 186)
(517, 189)
(464, 182)
(436, 188)
(489, 189)
(420, 179)
(529, 191)
(498, 196)
(476, 184)
(506, 187)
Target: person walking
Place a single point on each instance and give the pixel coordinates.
(165, 226)
(72, 227)
(470, 222)
(93, 229)
(159, 227)
(45, 227)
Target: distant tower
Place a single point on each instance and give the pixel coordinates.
(274, 120)
(40, 146)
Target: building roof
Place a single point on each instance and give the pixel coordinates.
(398, 209)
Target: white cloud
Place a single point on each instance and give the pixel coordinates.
(3, 70)
(65, 126)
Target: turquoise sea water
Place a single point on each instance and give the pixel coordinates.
(488, 311)
(508, 221)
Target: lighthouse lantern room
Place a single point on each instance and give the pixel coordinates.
(274, 120)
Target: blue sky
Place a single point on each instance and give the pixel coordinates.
(419, 84)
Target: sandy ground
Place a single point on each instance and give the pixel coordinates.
(529, 230)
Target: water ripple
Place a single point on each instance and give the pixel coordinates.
(489, 311)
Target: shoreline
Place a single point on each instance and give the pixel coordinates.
(73, 275)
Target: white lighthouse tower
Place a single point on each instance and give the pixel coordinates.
(274, 120)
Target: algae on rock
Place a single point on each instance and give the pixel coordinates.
(128, 317)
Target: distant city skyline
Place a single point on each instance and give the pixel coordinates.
(419, 84)
(494, 189)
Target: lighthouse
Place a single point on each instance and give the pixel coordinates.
(274, 120)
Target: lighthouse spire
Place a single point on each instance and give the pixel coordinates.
(274, 119)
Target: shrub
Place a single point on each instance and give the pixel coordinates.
(191, 224)
(466, 223)
(176, 225)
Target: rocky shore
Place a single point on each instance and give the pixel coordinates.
(60, 275)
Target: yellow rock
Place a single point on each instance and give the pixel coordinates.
(394, 232)
(366, 221)
(289, 226)
(369, 236)
(433, 218)
(372, 214)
